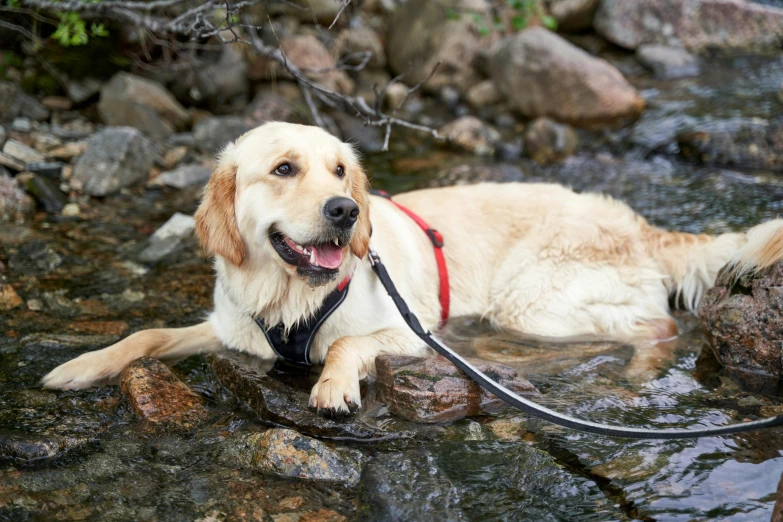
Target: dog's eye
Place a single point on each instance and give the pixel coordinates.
(284, 169)
(340, 171)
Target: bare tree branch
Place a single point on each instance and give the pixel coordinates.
(346, 3)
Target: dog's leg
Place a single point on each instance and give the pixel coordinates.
(351, 359)
(104, 366)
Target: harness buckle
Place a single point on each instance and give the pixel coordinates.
(435, 237)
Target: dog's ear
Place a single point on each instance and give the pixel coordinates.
(360, 242)
(216, 224)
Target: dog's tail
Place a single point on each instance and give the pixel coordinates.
(693, 261)
(104, 366)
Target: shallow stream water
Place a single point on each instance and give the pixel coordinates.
(503, 467)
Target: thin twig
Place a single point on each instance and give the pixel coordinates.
(337, 16)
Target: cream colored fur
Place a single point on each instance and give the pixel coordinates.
(534, 258)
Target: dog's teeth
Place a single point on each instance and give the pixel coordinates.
(336, 242)
(312, 257)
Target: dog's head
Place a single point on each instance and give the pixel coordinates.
(292, 193)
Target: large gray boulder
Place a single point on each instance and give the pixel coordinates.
(541, 74)
(16, 104)
(141, 103)
(116, 157)
(697, 25)
(421, 34)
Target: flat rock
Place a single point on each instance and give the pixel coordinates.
(169, 238)
(743, 322)
(668, 62)
(286, 453)
(245, 376)
(541, 74)
(158, 397)
(421, 34)
(739, 142)
(22, 152)
(547, 141)
(133, 101)
(696, 25)
(15, 205)
(212, 134)
(433, 390)
(471, 134)
(116, 157)
(14, 103)
(183, 176)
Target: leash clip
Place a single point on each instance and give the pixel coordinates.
(374, 257)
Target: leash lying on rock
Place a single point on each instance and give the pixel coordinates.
(540, 411)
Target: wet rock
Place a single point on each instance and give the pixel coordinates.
(9, 299)
(158, 397)
(408, 486)
(573, 15)
(743, 322)
(16, 104)
(433, 390)
(469, 174)
(471, 134)
(220, 86)
(421, 34)
(245, 376)
(32, 449)
(696, 25)
(369, 139)
(15, 205)
(212, 134)
(541, 74)
(184, 176)
(740, 142)
(99, 327)
(547, 141)
(21, 152)
(170, 237)
(286, 453)
(116, 157)
(668, 62)
(133, 101)
(34, 257)
(267, 106)
(484, 94)
(46, 193)
(655, 132)
(361, 40)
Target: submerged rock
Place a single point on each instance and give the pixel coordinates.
(740, 142)
(286, 453)
(158, 397)
(116, 157)
(15, 205)
(9, 298)
(541, 74)
(743, 322)
(421, 34)
(45, 192)
(696, 25)
(471, 134)
(547, 141)
(668, 62)
(469, 174)
(170, 237)
(34, 449)
(133, 101)
(245, 376)
(432, 389)
(34, 258)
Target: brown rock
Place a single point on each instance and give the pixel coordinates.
(484, 94)
(57, 103)
(433, 390)
(173, 156)
(68, 151)
(573, 15)
(100, 327)
(361, 40)
(777, 511)
(697, 25)
(471, 134)
(309, 54)
(9, 298)
(158, 397)
(743, 322)
(541, 74)
(547, 141)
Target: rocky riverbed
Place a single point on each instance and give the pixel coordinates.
(646, 102)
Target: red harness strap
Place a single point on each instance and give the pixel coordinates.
(437, 243)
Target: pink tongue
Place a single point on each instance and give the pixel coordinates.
(328, 255)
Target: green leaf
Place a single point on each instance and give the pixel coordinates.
(519, 22)
(98, 30)
(452, 14)
(549, 22)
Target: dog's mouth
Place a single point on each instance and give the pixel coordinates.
(325, 257)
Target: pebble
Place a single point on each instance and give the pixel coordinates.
(22, 152)
(35, 305)
(70, 210)
(68, 151)
(9, 298)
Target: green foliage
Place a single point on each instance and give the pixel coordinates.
(527, 9)
(72, 30)
(14, 4)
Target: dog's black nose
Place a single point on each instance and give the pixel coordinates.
(341, 212)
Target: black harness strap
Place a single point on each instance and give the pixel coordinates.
(295, 346)
(540, 411)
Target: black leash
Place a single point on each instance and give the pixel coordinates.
(540, 411)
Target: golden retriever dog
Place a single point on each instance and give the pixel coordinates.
(288, 216)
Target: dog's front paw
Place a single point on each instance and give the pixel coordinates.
(89, 369)
(336, 396)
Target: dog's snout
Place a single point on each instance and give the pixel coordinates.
(341, 212)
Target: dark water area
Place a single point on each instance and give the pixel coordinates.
(97, 463)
